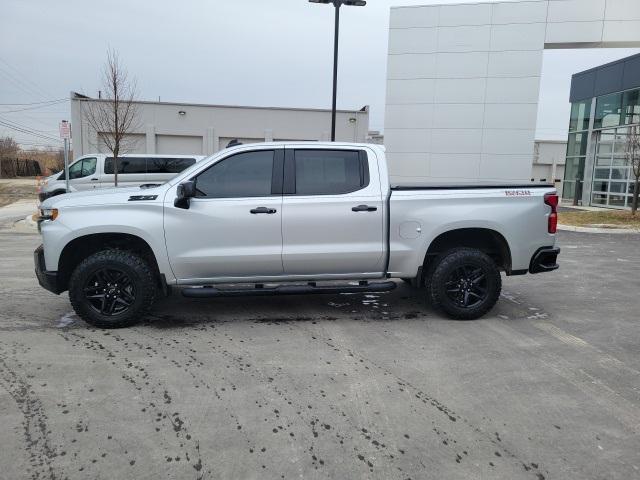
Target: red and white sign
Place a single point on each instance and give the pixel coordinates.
(65, 130)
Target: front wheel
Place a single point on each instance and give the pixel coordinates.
(465, 284)
(112, 289)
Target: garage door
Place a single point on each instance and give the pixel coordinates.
(178, 145)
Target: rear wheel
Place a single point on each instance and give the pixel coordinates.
(112, 289)
(465, 284)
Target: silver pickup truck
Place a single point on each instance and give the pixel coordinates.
(291, 218)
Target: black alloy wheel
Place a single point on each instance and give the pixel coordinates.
(109, 291)
(467, 286)
(113, 288)
(464, 283)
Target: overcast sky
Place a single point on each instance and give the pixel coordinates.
(239, 52)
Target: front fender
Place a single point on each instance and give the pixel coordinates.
(143, 220)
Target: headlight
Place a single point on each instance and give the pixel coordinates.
(48, 213)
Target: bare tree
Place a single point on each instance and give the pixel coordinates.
(114, 117)
(8, 150)
(632, 151)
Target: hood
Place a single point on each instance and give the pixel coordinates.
(104, 196)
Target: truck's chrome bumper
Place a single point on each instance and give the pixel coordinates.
(544, 260)
(47, 280)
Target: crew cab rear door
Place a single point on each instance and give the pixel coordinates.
(332, 212)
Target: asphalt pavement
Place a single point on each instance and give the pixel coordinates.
(366, 386)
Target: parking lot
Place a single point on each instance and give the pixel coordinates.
(341, 386)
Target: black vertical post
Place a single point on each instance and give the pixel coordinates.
(335, 71)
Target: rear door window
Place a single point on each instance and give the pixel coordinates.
(330, 172)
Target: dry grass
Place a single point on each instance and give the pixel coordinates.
(617, 218)
(12, 190)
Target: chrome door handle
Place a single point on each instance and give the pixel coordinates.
(268, 211)
(364, 208)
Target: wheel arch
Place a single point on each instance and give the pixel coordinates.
(83, 246)
(487, 240)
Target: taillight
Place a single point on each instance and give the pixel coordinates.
(552, 199)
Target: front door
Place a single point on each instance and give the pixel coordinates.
(232, 229)
(83, 175)
(332, 213)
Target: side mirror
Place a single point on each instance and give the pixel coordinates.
(186, 191)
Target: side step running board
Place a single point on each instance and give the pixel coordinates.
(209, 292)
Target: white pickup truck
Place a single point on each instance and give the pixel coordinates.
(291, 218)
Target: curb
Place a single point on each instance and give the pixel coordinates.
(571, 228)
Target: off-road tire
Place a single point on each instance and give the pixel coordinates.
(141, 277)
(446, 267)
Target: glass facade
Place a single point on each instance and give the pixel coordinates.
(576, 148)
(612, 179)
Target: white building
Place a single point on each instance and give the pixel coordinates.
(463, 81)
(548, 161)
(187, 128)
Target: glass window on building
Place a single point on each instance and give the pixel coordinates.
(577, 146)
(580, 115)
(597, 142)
(608, 111)
(612, 179)
(573, 177)
(631, 106)
(576, 149)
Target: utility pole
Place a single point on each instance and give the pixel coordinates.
(336, 35)
(65, 134)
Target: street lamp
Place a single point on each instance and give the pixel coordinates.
(337, 4)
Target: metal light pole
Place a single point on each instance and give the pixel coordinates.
(65, 134)
(337, 4)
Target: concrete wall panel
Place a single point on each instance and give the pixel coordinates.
(505, 167)
(451, 90)
(466, 165)
(456, 140)
(419, 115)
(408, 140)
(513, 90)
(622, 10)
(470, 14)
(410, 166)
(622, 31)
(574, 32)
(458, 115)
(508, 142)
(481, 79)
(463, 39)
(576, 10)
(410, 91)
(413, 40)
(519, 12)
(515, 64)
(509, 116)
(410, 17)
(528, 36)
(412, 66)
(461, 65)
